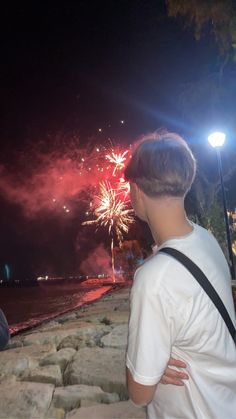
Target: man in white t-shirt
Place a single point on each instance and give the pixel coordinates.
(171, 315)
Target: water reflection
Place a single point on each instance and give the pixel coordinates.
(27, 307)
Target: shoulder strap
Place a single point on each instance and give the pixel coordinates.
(205, 284)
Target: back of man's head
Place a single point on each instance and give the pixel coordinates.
(162, 165)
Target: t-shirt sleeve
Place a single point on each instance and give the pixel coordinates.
(152, 331)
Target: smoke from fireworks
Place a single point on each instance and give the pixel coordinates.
(99, 260)
(53, 181)
(62, 180)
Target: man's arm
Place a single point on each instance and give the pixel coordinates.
(153, 327)
(142, 395)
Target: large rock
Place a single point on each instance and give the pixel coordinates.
(49, 374)
(114, 307)
(13, 366)
(117, 338)
(120, 298)
(112, 318)
(65, 317)
(16, 361)
(121, 410)
(49, 337)
(72, 328)
(14, 343)
(54, 413)
(88, 334)
(51, 325)
(103, 367)
(61, 358)
(74, 342)
(71, 397)
(24, 400)
(100, 307)
(96, 375)
(119, 295)
(84, 328)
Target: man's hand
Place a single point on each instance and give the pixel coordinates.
(142, 395)
(172, 376)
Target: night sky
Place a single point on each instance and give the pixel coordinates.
(77, 66)
(71, 67)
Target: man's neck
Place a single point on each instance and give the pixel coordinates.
(167, 219)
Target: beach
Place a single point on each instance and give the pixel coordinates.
(37, 304)
(72, 366)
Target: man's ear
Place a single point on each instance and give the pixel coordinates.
(140, 194)
(136, 188)
(138, 191)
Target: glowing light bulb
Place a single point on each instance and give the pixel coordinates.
(216, 139)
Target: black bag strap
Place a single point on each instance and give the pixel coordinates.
(205, 284)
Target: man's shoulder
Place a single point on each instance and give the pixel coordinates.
(158, 278)
(153, 270)
(165, 276)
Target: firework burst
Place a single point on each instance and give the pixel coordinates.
(112, 213)
(118, 159)
(123, 189)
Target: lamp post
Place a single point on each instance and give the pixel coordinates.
(217, 139)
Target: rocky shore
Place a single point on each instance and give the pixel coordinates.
(71, 367)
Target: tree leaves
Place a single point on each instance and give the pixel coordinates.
(215, 16)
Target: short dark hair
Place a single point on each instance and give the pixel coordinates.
(162, 165)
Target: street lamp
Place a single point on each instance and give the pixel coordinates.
(217, 139)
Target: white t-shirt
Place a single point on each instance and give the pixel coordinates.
(171, 315)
